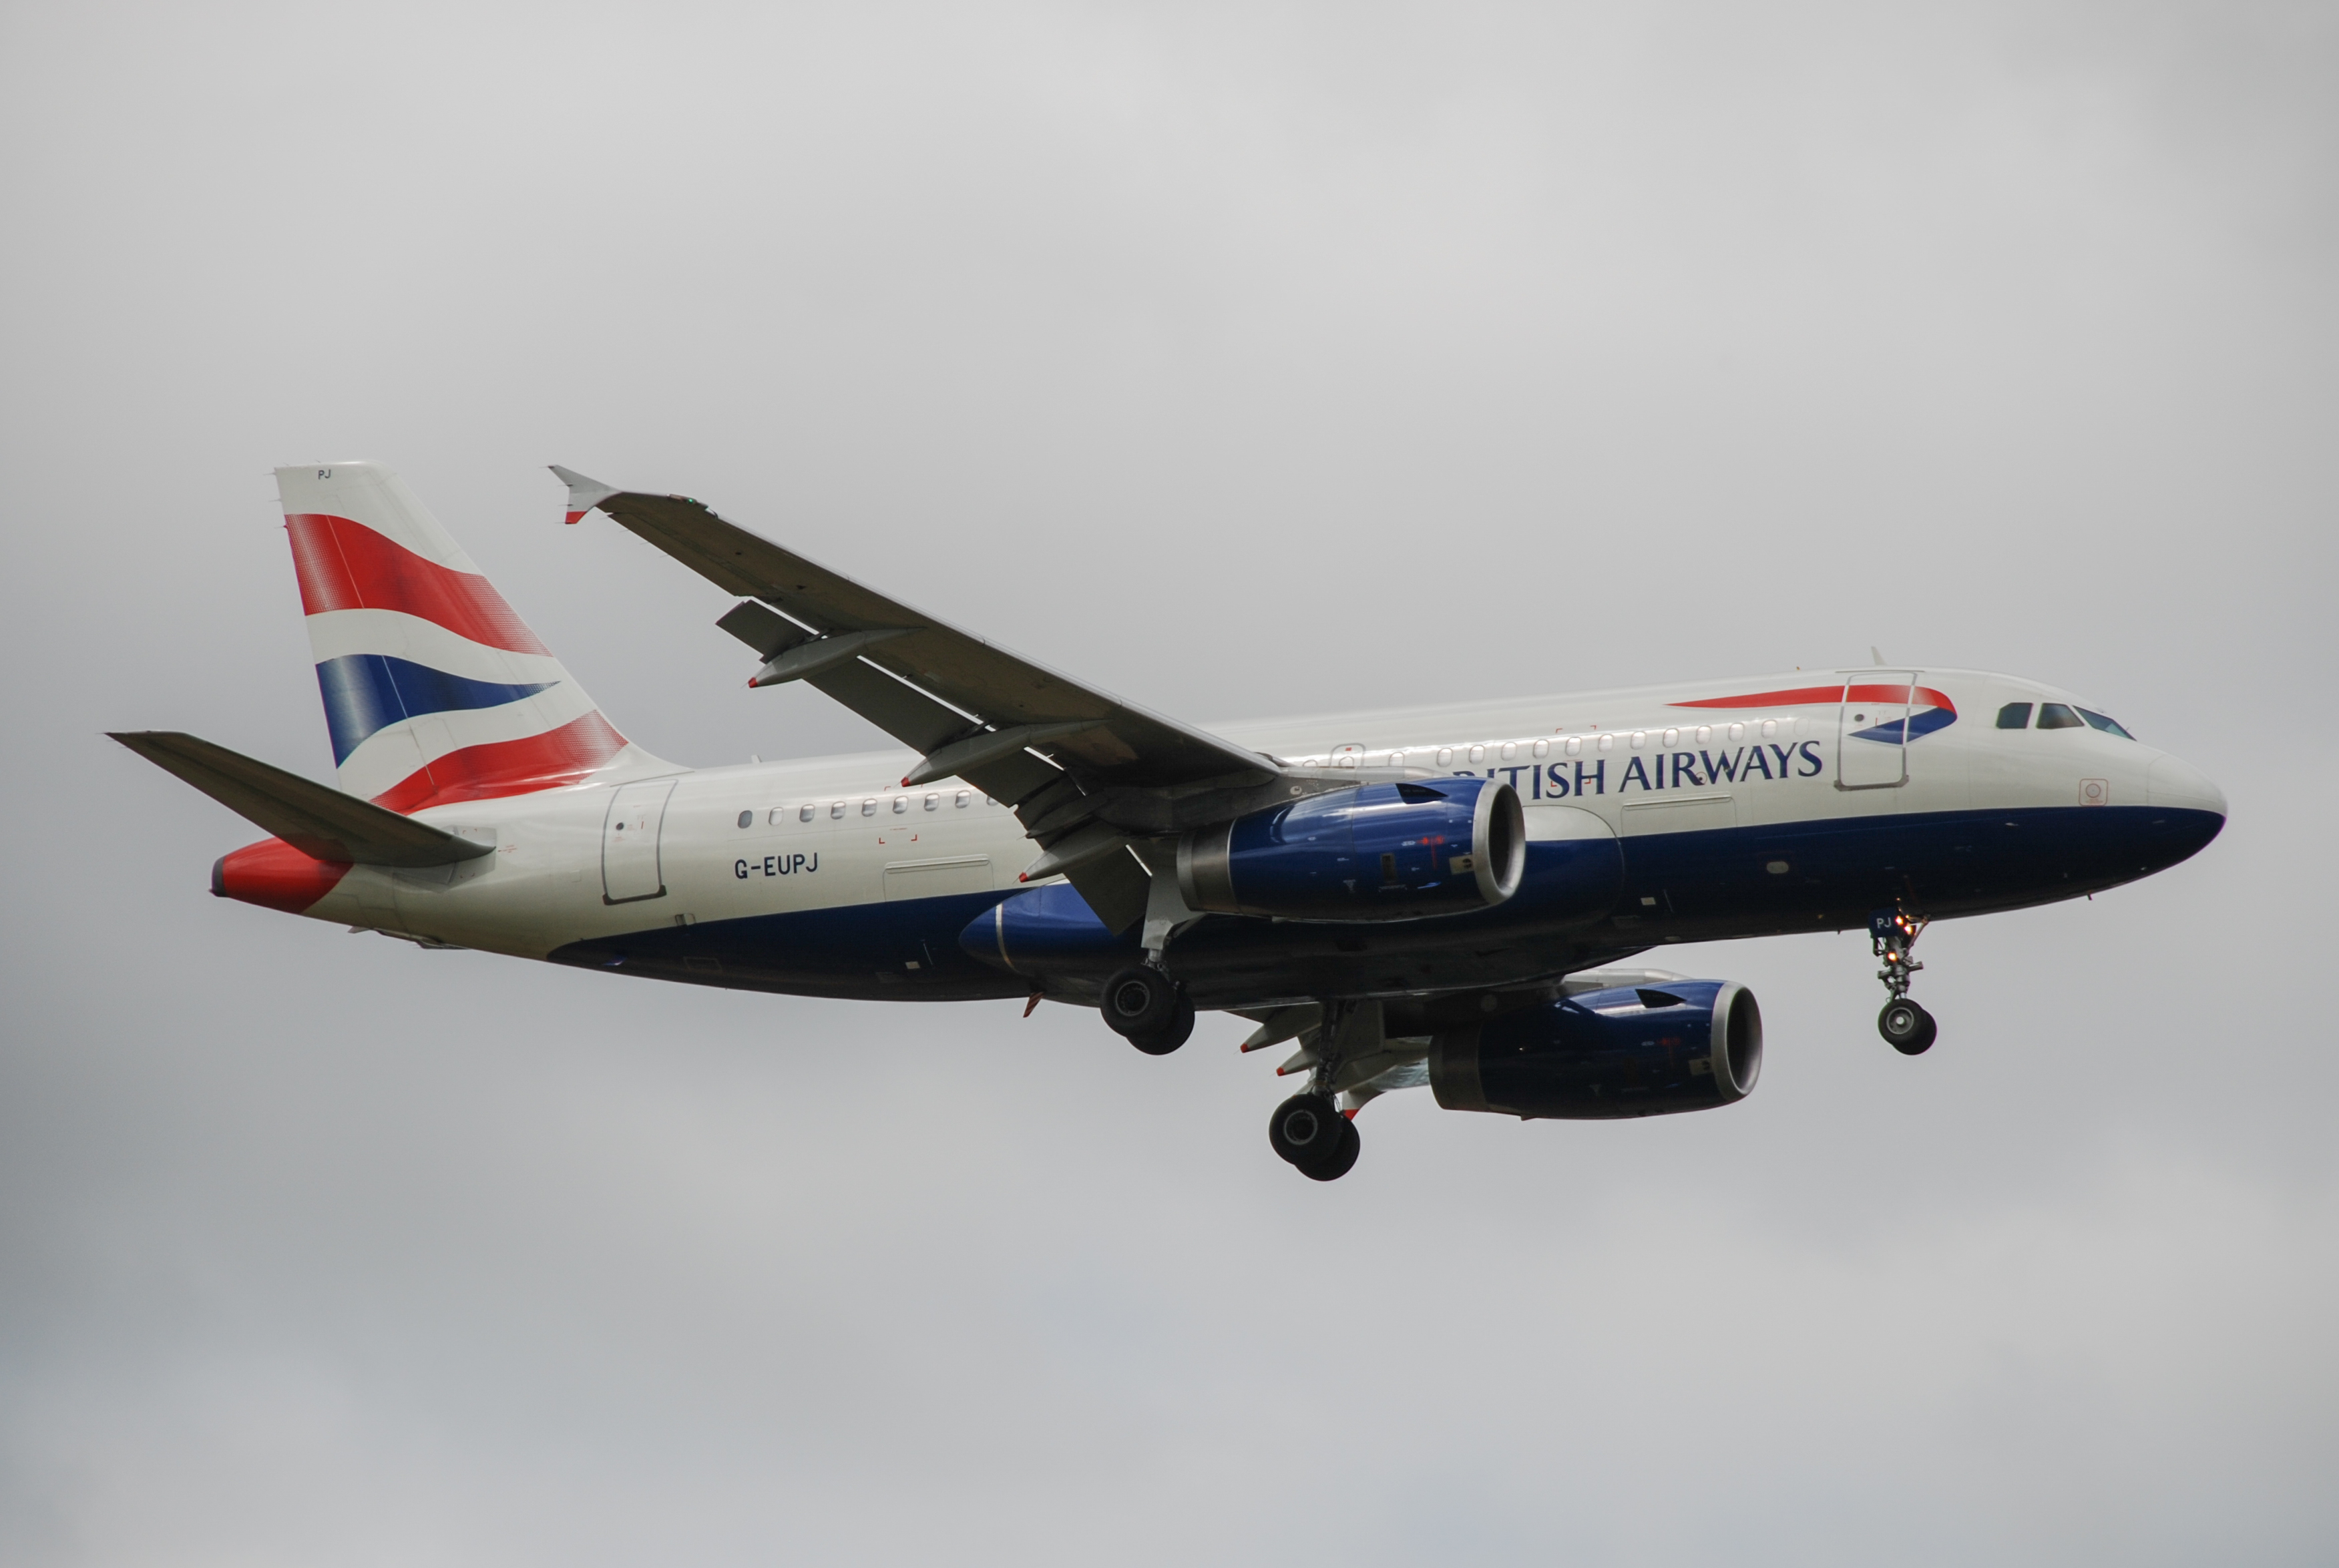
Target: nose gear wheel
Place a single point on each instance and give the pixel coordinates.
(1908, 1027)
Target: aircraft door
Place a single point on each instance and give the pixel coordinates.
(919, 934)
(1872, 746)
(629, 842)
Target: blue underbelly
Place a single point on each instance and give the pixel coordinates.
(1581, 901)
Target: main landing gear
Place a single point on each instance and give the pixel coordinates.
(1906, 1027)
(1309, 1132)
(1343, 1047)
(1148, 1009)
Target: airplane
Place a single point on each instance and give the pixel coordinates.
(1445, 897)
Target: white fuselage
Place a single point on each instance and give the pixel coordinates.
(728, 844)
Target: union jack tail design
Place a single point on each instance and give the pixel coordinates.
(435, 690)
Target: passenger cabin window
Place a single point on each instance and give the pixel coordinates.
(2058, 716)
(745, 817)
(2110, 727)
(2014, 716)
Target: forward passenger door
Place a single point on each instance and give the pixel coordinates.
(1872, 746)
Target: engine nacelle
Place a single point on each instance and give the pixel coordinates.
(1691, 1045)
(1374, 852)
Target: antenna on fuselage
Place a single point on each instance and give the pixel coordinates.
(1877, 656)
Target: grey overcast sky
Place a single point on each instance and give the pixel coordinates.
(1247, 359)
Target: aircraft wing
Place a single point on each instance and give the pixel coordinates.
(1087, 772)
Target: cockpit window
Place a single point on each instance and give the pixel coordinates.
(2014, 716)
(2057, 717)
(2110, 727)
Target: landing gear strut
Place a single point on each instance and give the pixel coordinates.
(1148, 1009)
(1906, 1027)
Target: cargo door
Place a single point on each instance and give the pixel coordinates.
(630, 869)
(924, 931)
(1872, 746)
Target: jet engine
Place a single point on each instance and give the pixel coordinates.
(1630, 1052)
(1375, 852)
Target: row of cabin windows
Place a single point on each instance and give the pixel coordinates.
(1566, 745)
(2012, 716)
(839, 809)
(2059, 717)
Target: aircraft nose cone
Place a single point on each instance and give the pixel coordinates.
(2186, 812)
(2176, 783)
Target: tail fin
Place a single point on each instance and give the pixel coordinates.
(435, 690)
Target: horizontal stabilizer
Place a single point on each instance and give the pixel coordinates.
(316, 819)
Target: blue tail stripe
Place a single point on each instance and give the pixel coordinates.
(368, 692)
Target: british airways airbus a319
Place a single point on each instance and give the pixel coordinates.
(1433, 897)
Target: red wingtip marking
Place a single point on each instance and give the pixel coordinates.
(1351, 1115)
(1022, 876)
(576, 517)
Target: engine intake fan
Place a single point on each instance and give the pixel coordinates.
(1376, 852)
(1630, 1052)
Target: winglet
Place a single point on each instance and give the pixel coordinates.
(584, 494)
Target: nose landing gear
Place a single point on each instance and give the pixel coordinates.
(1906, 1027)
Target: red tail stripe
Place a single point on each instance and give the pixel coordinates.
(346, 565)
(1803, 695)
(508, 767)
